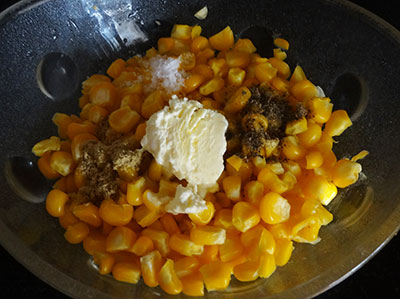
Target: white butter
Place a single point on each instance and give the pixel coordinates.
(188, 141)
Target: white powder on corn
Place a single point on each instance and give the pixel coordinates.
(165, 73)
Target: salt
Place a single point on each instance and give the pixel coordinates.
(165, 73)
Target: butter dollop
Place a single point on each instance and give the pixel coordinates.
(188, 141)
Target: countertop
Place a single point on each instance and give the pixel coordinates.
(377, 279)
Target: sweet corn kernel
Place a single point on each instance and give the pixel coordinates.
(95, 241)
(253, 192)
(274, 208)
(312, 207)
(120, 238)
(232, 187)
(318, 187)
(244, 216)
(184, 245)
(211, 86)
(283, 252)
(337, 123)
(306, 231)
(267, 265)
(183, 32)
(320, 109)
(223, 40)
(236, 76)
(160, 239)
(304, 90)
(126, 272)
(135, 191)
(77, 232)
(105, 261)
(115, 214)
(216, 275)
(296, 127)
(150, 267)
(244, 45)
(142, 246)
(291, 148)
(55, 202)
(281, 43)
(208, 235)
(247, 271)
(311, 136)
(88, 213)
(231, 249)
(235, 162)
(193, 285)
(271, 181)
(47, 145)
(314, 160)
(223, 218)
(187, 265)
(283, 69)
(265, 72)
(168, 280)
(345, 173)
(205, 216)
(199, 43)
(152, 103)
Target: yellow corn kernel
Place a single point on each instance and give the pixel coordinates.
(223, 218)
(92, 81)
(120, 238)
(259, 239)
(219, 67)
(168, 280)
(62, 120)
(211, 86)
(186, 266)
(116, 68)
(238, 100)
(184, 245)
(188, 61)
(293, 167)
(304, 90)
(265, 72)
(196, 31)
(154, 201)
(133, 100)
(95, 241)
(345, 173)
(312, 207)
(280, 84)
(223, 40)
(126, 272)
(306, 231)
(266, 266)
(165, 44)
(88, 213)
(205, 216)
(204, 70)
(244, 45)
(210, 254)
(47, 145)
(216, 275)
(160, 239)
(283, 252)
(75, 129)
(55, 202)
(208, 235)
(155, 171)
(281, 43)
(244, 216)
(311, 136)
(271, 181)
(183, 32)
(279, 54)
(253, 192)
(152, 103)
(283, 69)
(292, 148)
(296, 127)
(237, 59)
(198, 44)
(318, 187)
(231, 249)
(320, 109)
(203, 56)
(135, 191)
(274, 208)
(258, 163)
(140, 131)
(142, 246)
(115, 214)
(77, 232)
(97, 114)
(150, 267)
(247, 271)
(104, 260)
(83, 101)
(193, 285)
(236, 76)
(314, 160)
(67, 218)
(232, 187)
(103, 94)
(193, 82)
(235, 162)
(124, 119)
(144, 216)
(337, 123)
(169, 224)
(297, 75)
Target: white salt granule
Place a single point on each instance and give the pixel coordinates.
(165, 73)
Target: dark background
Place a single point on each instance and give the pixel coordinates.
(379, 278)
